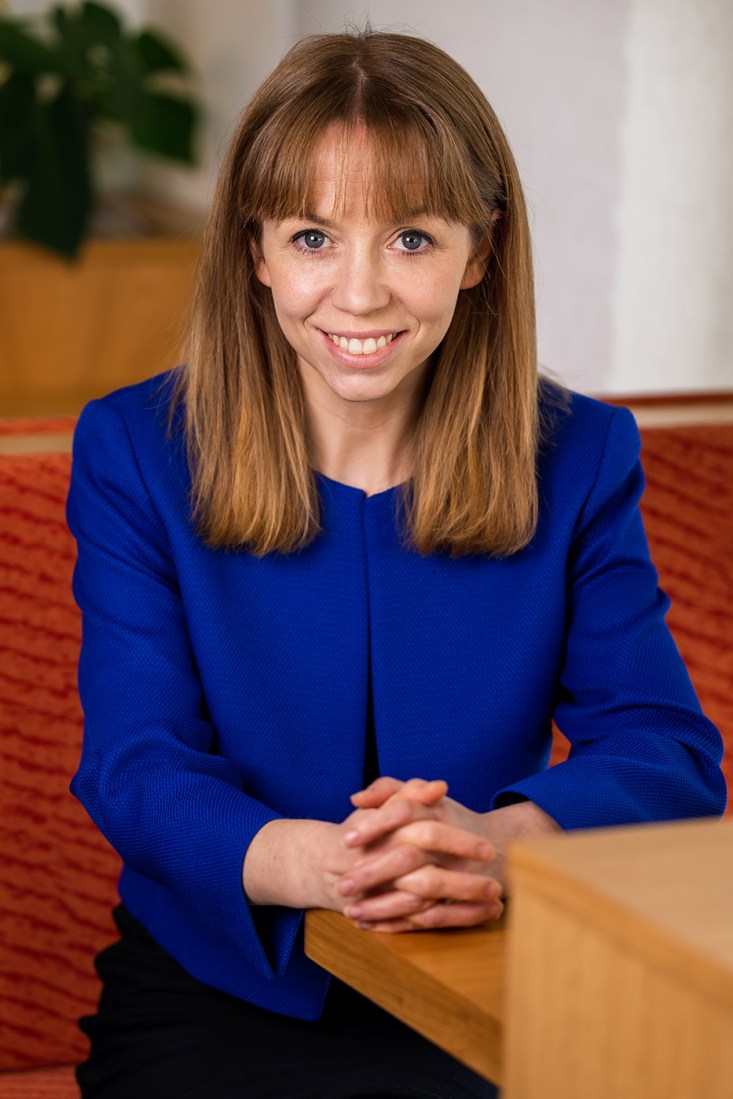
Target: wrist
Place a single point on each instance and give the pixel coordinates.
(524, 819)
(281, 865)
(516, 821)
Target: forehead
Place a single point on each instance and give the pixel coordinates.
(390, 171)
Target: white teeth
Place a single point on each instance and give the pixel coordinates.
(361, 347)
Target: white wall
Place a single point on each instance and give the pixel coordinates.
(673, 300)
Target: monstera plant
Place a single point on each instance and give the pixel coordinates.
(65, 78)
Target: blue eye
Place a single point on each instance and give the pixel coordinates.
(312, 239)
(414, 241)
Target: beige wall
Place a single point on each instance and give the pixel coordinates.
(673, 320)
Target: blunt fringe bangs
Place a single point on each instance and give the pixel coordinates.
(435, 146)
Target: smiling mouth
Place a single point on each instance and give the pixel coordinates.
(360, 347)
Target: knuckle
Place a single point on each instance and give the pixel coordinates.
(429, 879)
(405, 858)
(399, 862)
(412, 903)
(431, 832)
(435, 916)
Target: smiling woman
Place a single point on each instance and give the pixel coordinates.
(353, 540)
(364, 304)
(400, 143)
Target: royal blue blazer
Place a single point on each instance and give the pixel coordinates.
(221, 690)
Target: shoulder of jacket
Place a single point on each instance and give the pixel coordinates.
(587, 423)
(140, 411)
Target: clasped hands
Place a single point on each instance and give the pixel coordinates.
(412, 858)
(407, 858)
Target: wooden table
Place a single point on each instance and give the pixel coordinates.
(620, 965)
(448, 985)
(619, 969)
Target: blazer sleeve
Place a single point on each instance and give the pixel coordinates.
(641, 749)
(149, 775)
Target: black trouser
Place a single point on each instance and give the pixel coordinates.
(161, 1034)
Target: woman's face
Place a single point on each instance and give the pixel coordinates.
(364, 304)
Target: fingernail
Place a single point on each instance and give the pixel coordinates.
(346, 886)
(351, 837)
(485, 851)
(353, 911)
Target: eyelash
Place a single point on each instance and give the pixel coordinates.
(298, 237)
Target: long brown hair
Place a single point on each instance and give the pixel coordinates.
(434, 137)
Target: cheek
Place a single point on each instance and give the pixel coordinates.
(295, 294)
(434, 295)
(435, 304)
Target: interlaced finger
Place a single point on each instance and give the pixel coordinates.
(437, 916)
(446, 839)
(385, 788)
(437, 883)
(372, 824)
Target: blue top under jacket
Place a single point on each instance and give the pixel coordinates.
(221, 690)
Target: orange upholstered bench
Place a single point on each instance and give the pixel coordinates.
(688, 515)
(57, 875)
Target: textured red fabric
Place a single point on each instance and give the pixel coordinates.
(57, 874)
(688, 515)
(688, 512)
(47, 425)
(42, 1083)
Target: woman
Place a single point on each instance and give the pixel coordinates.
(353, 537)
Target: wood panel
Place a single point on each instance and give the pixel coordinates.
(621, 964)
(73, 331)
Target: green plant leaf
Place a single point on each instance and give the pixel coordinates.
(164, 125)
(17, 107)
(55, 207)
(118, 90)
(154, 54)
(71, 42)
(83, 69)
(90, 37)
(25, 53)
(100, 24)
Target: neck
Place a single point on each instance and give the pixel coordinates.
(366, 444)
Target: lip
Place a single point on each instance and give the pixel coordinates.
(362, 362)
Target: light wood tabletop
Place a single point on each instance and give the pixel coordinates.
(620, 964)
(448, 985)
(618, 967)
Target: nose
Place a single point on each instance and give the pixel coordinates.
(361, 286)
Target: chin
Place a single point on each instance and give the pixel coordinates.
(358, 394)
